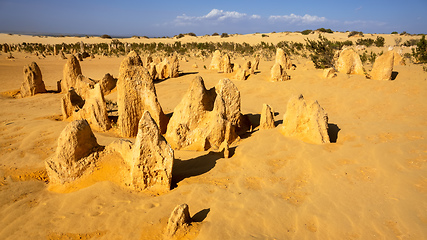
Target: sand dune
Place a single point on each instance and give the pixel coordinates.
(370, 182)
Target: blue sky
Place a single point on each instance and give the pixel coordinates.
(169, 18)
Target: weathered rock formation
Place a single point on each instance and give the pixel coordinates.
(108, 83)
(307, 122)
(95, 110)
(383, 66)
(199, 120)
(164, 69)
(267, 117)
(278, 74)
(256, 63)
(74, 154)
(329, 73)
(70, 73)
(348, 61)
(174, 67)
(179, 220)
(216, 61)
(225, 64)
(241, 73)
(152, 157)
(71, 102)
(33, 81)
(136, 93)
(283, 59)
(83, 85)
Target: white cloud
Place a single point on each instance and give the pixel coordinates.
(215, 16)
(298, 19)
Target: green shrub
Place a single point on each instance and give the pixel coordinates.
(394, 32)
(379, 42)
(325, 30)
(420, 53)
(224, 35)
(354, 33)
(367, 42)
(215, 34)
(264, 35)
(322, 51)
(306, 32)
(411, 42)
(106, 36)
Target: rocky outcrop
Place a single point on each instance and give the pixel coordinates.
(152, 157)
(83, 85)
(307, 122)
(241, 73)
(383, 67)
(74, 153)
(199, 120)
(329, 73)
(95, 110)
(174, 67)
(267, 117)
(70, 73)
(108, 83)
(164, 69)
(256, 63)
(71, 102)
(283, 59)
(225, 64)
(136, 93)
(178, 220)
(33, 81)
(278, 74)
(348, 62)
(216, 61)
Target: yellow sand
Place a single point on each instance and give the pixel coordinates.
(370, 184)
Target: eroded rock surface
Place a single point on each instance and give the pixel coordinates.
(74, 154)
(199, 120)
(348, 62)
(307, 122)
(383, 67)
(152, 157)
(179, 220)
(70, 73)
(33, 81)
(136, 93)
(267, 117)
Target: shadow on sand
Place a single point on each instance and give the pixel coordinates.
(201, 215)
(193, 167)
(333, 130)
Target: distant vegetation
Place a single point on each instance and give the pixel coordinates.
(354, 33)
(306, 32)
(420, 52)
(215, 34)
(224, 35)
(379, 41)
(322, 51)
(325, 30)
(106, 36)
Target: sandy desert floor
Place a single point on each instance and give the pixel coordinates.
(370, 183)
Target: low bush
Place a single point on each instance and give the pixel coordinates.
(354, 33)
(379, 42)
(224, 35)
(106, 36)
(325, 30)
(420, 53)
(306, 32)
(367, 42)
